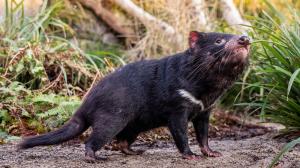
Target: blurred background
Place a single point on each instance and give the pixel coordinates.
(52, 52)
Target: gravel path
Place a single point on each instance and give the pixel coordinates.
(253, 152)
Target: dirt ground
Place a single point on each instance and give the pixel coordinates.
(252, 152)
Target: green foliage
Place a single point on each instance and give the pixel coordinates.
(63, 108)
(25, 109)
(43, 73)
(4, 137)
(284, 150)
(274, 85)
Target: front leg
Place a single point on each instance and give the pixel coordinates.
(201, 124)
(178, 124)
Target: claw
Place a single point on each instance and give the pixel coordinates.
(125, 148)
(191, 157)
(90, 157)
(210, 153)
(129, 151)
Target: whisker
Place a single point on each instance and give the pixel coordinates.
(227, 58)
(204, 66)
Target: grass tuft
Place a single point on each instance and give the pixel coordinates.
(43, 74)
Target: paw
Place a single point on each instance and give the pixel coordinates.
(210, 153)
(128, 151)
(191, 157)
(91, 158)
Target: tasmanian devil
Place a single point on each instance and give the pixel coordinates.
(152, 93)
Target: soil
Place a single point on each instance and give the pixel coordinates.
(251, 152)
(242, 145)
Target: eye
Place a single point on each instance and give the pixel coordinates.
(219, 41)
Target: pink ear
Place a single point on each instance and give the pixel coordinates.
(193, 38)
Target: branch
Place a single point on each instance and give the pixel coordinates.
(199, 12)
(232, 15)
(147, 19)
(106, 16)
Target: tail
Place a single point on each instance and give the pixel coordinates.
(70, 130)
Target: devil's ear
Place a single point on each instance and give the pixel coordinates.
(193, 38)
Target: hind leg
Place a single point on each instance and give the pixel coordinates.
(104, 130)
(125, 147)
(125, 138)
(94, 143)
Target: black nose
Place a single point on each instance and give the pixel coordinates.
(244, 40)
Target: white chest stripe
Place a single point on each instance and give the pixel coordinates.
(191, 98)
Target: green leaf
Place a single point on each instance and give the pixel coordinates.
(292, 79)
(4, 116)
(285, 149)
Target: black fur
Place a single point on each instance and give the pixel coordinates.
(144, 95)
